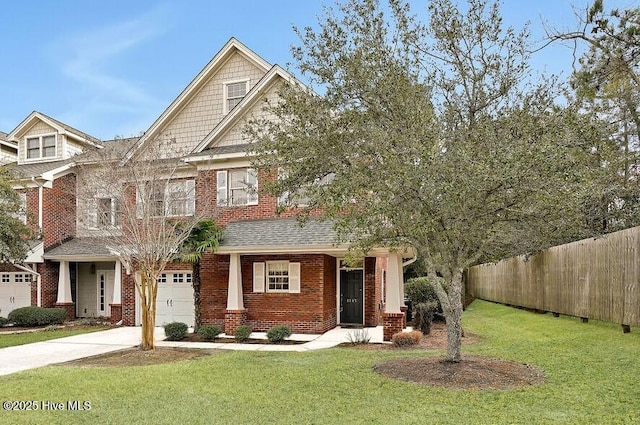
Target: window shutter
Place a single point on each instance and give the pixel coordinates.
(294, 278)
(252, 186)
(190, 190)
(221, 178)
(258, 277)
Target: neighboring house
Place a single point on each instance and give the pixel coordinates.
(8, 150)
(268, 270)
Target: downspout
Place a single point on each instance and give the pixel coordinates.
(411, 261)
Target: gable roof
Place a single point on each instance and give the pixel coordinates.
(249, 100)
(232, 46)
(61, 127)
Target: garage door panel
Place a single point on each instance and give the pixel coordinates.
(174, 302)
(15, 292)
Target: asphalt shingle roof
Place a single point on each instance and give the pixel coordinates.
(278, 232)
(26, 171)
(219, 150)
(81, 247)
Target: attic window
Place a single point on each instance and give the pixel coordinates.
(41, 146)
(234, 92)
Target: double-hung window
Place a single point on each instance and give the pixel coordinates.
(234, 92)
(276, 276)
(237, 187)
(41, 146)
(107, 213)
(173, 199)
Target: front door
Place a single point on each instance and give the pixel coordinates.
(351, 296)
(106, 280)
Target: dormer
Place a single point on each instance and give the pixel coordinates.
(8, 150)
(40, 138)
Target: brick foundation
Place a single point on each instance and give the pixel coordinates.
(233, 319)
(392, 324)
(70, 308)
(116, 313)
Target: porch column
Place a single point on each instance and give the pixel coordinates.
(235, 314)
(116, 304)
(393, 317)
(64, 290)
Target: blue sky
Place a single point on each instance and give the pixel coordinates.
(110, 68)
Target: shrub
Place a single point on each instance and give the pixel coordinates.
(278, 333)
(358, 336)
(242, 333)
(175, 331)
(420, 290)
(423, 316)
(209, 333)
(406, 339)
(3, 321)
(37, 316)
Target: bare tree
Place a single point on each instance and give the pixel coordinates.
(152, 198)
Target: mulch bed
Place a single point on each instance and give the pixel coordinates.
(191, 337)
(473, 372)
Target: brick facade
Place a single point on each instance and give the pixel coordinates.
(59, 206)
(393, 323)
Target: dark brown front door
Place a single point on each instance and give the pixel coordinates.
(351, 296)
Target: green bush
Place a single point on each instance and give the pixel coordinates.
(37, 316)
(423, 316)
(278, 333)
(420, 290)
(175, 331)
(209, 333)
(406, 339)
(242, 333)
(3, 321)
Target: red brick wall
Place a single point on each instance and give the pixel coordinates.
(371, 317)
(128, 299)
(311, 311)
(49, 284)
(59, 211)
(32, 208)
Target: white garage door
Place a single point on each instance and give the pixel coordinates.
(175, 299)
(15, 292)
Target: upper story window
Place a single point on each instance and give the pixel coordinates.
(108, 213)
(237, 187)
(234, 92)
(41, 146)
(173, 199)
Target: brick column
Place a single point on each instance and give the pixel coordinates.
(116, 313)
(70, 308)
(392, 324)
(403, 309)
(233, 319)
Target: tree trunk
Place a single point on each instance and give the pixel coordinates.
(451, 303)
(197, 297)
(148, 306)
(454, 319)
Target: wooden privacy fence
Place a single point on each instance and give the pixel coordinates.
(592, 278)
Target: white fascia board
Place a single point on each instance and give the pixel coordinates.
(80, 258)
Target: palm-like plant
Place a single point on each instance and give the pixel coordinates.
(205, 237)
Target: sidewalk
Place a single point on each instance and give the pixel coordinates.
(38, 354)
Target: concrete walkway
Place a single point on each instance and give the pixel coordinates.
(38, 354)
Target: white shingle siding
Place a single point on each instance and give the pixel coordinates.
(234, 136)
(205, 110)
(71, 148)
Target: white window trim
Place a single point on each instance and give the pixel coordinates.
(190, 200)
(95, 214)
(41, 138)
(226, 201)
(261, 277)
(225, 84)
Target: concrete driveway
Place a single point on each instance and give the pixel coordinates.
(38, 354)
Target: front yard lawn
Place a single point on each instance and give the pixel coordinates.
(11, 339)
(591, 377)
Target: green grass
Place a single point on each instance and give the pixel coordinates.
(592, 378)
(9, 340)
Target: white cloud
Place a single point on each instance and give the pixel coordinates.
(101, 92)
